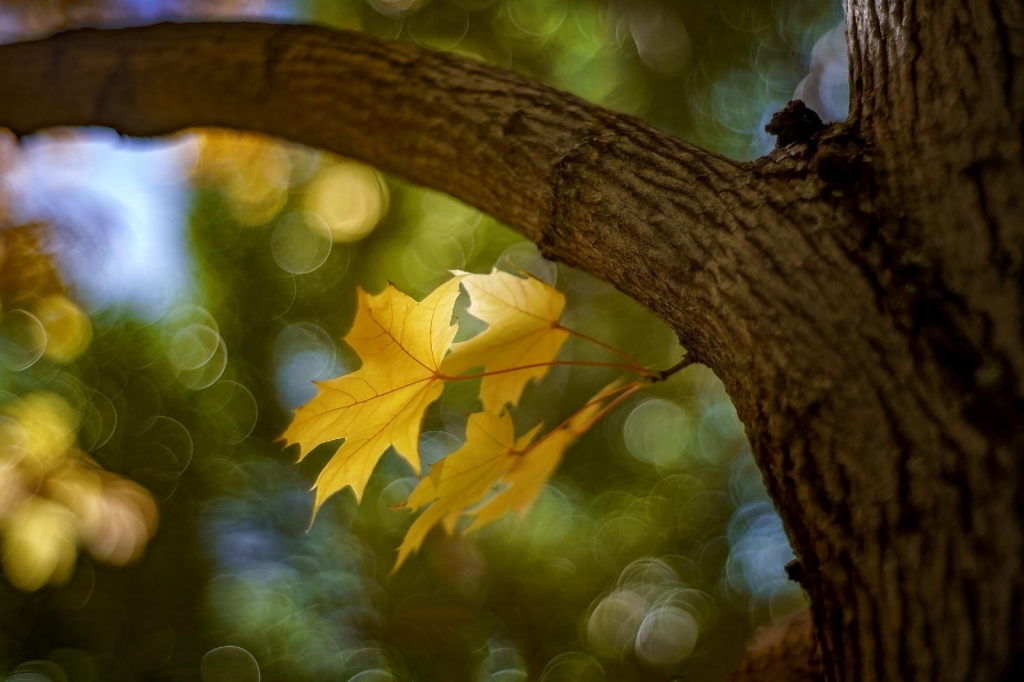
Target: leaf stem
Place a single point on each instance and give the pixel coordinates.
(623, 392)
(601, 344)
(648, 374)
(627, 390)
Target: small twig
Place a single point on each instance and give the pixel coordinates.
(664, 374)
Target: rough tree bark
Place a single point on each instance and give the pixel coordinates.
(859, 292)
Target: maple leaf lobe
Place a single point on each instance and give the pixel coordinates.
(401, 343)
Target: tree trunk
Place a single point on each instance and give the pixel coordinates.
(859, 292)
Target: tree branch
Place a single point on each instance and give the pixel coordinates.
(600, 190)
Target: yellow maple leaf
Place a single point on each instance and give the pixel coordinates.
(464, 477)
(401, 343)
(492, 456)
(532, 469)
(523, 331)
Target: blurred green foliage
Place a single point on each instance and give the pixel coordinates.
(652, 555)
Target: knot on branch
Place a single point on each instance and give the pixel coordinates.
(794, 123)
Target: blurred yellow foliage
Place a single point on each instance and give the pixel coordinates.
(256, 174)
(68, 330)
(55, 499)
(39, 544)
(26, 271)
(37, 432)
(253, 171)
(115, 517)
(30, 282)
(351, 197)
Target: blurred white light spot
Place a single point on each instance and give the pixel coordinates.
(667, 636)
(170, 436)
(745, 483)
(22, 339)
(192, 347)
(700, 605)
(197, 352)
(747, 17)
(183, 315)
(437, 253)
(444, 215)
(503, 664)
(550, 518)
(369, 660)
(509, 676)
(394, 8)
(573, 666)
(759, 550)
(398, 491)
(439, 26)
(525, 257)
(229, 411)
(660, 34)
(373, 676)
(647, 571)
(38, 671)
(301, 242)
(435, 446)
(99, 419)
(229, 664)
(429, 258)
(657, 432)
(295, 377)
(800, 22)
(623, 535)
(211, 371)
(303, 353)
(537, 17)
(613, 625)
(720, 433)
(826, 89)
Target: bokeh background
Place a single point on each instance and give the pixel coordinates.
(166, 304)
